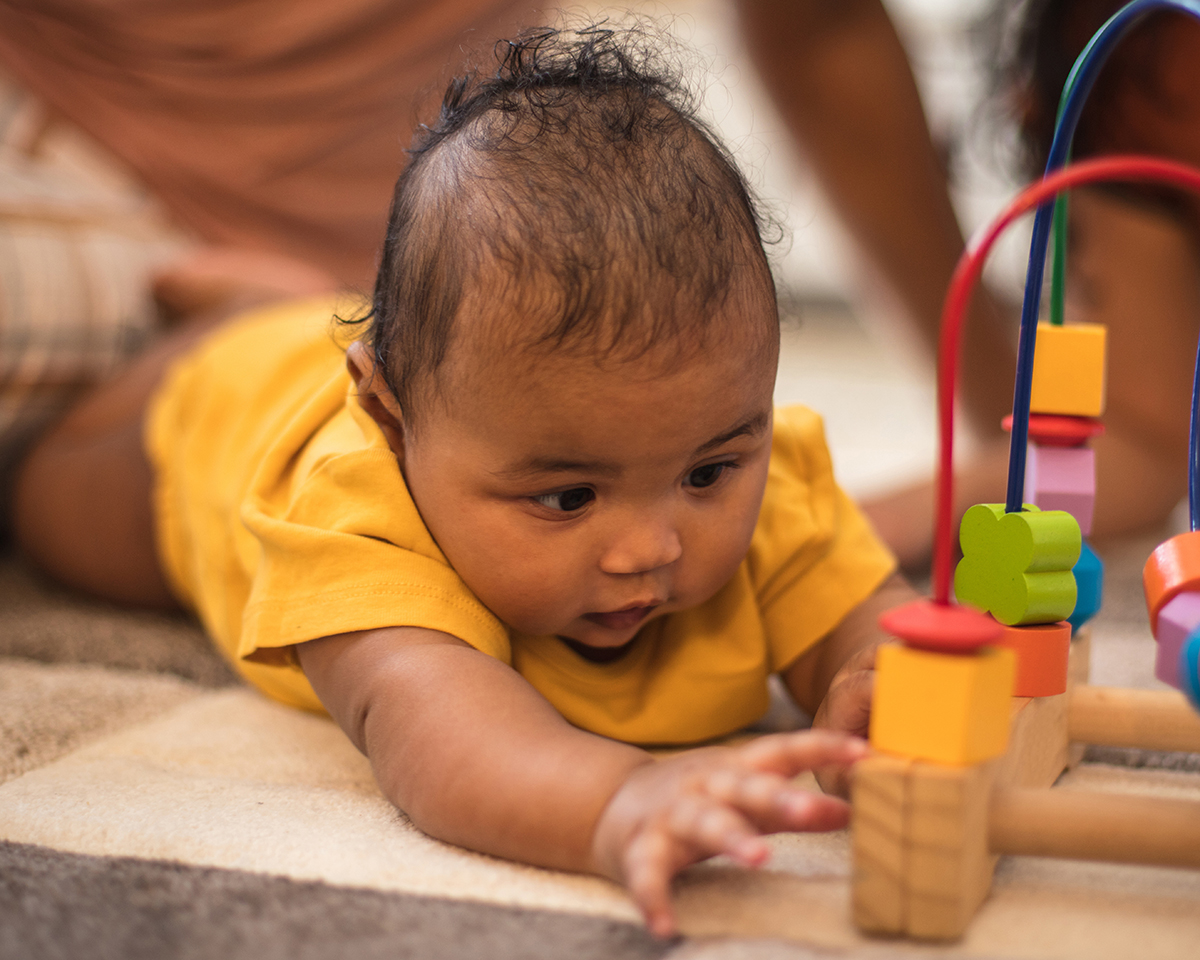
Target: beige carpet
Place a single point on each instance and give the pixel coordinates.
(122, 736)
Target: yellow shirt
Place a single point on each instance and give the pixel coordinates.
(282, 516)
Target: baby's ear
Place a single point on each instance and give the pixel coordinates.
(375, 396)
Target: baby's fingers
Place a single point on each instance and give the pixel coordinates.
(773, 804)
(788, 754)
(650, 862)
(712, 828)
(694, 829)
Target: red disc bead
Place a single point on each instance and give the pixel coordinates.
(948, 628)
(1054, 430)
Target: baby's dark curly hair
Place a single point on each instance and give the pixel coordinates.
(577, 187)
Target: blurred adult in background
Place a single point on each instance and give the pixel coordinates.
(261, 125)
(270, 130)
(1133, 262)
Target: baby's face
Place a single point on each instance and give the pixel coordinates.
(583, 500)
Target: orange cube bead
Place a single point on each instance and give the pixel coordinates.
(1069, 370)
(951, 708)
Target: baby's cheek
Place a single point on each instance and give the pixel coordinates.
(532, 591)
(712, 560)
(497, 567)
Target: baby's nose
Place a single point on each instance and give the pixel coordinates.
(642, 547)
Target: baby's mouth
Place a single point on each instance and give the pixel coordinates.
(625, 619)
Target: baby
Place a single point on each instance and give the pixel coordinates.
(538, 515)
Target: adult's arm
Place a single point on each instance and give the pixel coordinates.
(840, 77)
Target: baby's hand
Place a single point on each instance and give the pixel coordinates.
(846, 709)
(721, 800)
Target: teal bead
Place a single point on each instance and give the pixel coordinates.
(1189, 668)
(1089, 585)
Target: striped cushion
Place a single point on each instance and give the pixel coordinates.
(78, 243)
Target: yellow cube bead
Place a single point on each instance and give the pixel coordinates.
(948, 708)
(1069, 370)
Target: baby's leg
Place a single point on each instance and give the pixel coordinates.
(82, 496)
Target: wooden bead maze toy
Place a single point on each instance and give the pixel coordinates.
(983, 703)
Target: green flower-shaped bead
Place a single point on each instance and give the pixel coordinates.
(1017, 566)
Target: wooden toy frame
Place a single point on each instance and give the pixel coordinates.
(927, 836)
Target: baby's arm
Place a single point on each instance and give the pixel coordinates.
(475, 756)
(834, 679)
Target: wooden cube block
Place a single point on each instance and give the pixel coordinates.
(1069, 369)
(1178, 617)
(1042, 651)
(1089, 587)
(1062, 478)
(921, 862)
(1017, 566)
(949, 869)
(879, 797)
(1172, 568)
(945, 707)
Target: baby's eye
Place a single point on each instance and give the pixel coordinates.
(706, 475)
(567, 500)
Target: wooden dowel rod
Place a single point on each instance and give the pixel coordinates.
(1085, 825)
(1149, 719)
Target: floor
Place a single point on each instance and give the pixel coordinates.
(152, 806)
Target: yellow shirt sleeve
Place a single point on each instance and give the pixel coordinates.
(281, 513)
(343, 547)
(814, 556)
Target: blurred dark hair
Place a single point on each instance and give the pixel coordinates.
(578, 183)
(1039, 41)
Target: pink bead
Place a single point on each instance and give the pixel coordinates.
(1062, 478)
(1178, 617)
